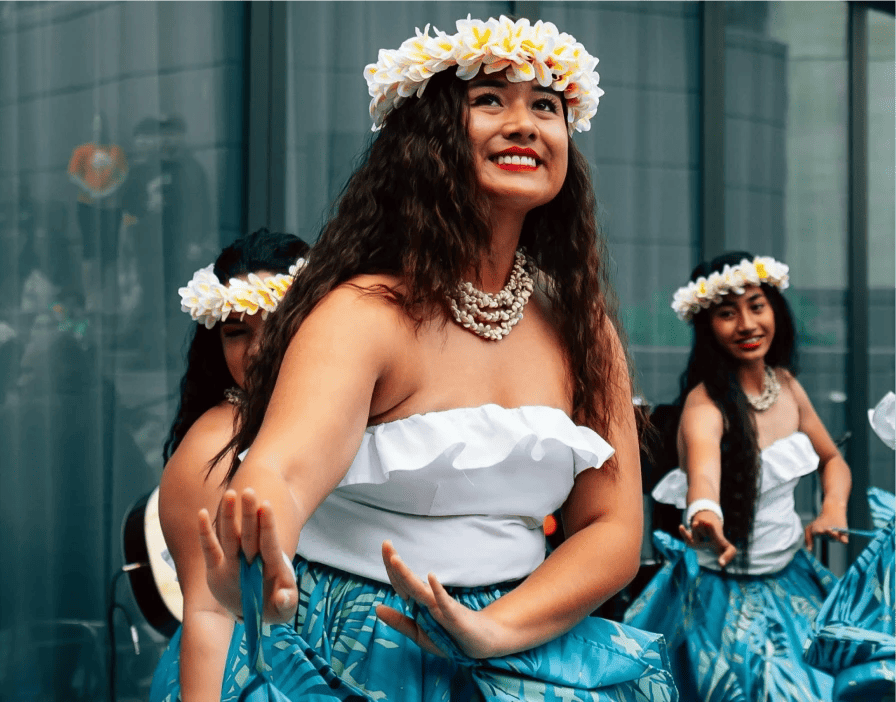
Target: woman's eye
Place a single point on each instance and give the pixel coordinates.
(233, 332)
(547, 105)
(486, 99)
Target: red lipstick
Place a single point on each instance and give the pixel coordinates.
(516, 151)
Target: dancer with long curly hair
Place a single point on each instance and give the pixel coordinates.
(446, 373)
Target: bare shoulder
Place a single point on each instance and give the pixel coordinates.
(358, 306)
(789, 381)
(700, 415)
(187, 485)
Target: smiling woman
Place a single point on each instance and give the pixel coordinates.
(748, 432)
(445, 373)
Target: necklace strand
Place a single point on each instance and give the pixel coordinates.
(771, 388)
(492, 316)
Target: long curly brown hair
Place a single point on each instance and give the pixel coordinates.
(413, 210)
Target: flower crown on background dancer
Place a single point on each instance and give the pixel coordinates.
(709, 290)
(528, 51)
(209, 301)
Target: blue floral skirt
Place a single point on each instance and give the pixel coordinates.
(339, 650)
(855, 633)
(736, 638)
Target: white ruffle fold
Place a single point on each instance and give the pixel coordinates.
(487, 460)
(783, 461)
(777, 529)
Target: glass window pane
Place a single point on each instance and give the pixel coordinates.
(122, 128)
(881, 228)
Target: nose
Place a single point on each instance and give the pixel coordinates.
(519, 124)
(253, 347)
(745, 323)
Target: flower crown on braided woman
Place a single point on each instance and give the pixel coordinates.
(708, 290)
(528, 51)
(209, 301)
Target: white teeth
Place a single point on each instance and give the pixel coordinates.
(754, 340)
(508, 160)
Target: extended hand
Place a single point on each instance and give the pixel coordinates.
(473, 631)
(251, 530)
(706, 533)
(827, 525)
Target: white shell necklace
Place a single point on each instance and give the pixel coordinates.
(771, 388)
(493, 316)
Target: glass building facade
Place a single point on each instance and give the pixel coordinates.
(141, 137)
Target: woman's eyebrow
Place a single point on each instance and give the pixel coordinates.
(497, 83)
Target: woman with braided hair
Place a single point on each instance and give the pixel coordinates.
(230, 301)
(737, 604)
(444, 374)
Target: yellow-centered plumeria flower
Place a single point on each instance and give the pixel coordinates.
(528, 52)
(208, 301)
(706, 291)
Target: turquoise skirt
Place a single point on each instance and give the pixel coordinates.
(338, 649)
(736, 638)
(855, 635)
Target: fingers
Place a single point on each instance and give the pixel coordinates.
(283, 597)
(727, 554)
(408, 627)
(211, 549)
(249, 536)
(809, 538)
(406, 583)
(686, 535)
(229, 525)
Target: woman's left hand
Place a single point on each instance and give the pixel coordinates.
(474, 632)
(827, 525)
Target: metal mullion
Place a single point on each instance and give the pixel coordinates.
(858, 363)
(266, 116)
(712, 130)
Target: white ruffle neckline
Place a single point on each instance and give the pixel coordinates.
(786, 459)
(472, 439)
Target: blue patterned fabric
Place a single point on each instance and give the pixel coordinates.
(855, 633)
(735, 638)
(339, 648)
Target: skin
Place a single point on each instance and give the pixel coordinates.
(330, 388)
(744, 325)
(184, 490)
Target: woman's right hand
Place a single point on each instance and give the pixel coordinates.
(706, 532)
(252, 531)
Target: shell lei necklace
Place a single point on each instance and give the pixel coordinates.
(493, 316)
(771, 388)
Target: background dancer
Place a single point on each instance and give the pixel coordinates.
(743, 603)
(229, 302)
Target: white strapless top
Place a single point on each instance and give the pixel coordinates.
(460, 493)
(777, 528)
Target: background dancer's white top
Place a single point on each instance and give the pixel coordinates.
(461, 493)
(777, 528)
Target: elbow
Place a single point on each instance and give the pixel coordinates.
(629, 566)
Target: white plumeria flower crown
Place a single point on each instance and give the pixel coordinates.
(709, 290)
(209, 301)
(529, 52)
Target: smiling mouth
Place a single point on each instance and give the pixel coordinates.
(515, 162)
(751, 343)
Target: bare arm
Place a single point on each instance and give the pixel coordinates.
(207, 626)
(699, 449)
(311, 432)
(836, 478)
(604, 517)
